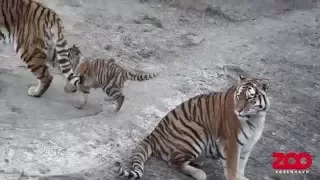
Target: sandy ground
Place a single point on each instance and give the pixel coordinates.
(47, 138)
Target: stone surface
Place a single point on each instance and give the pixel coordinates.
(47, 138)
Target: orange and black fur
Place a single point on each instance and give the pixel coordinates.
(105, 74)
(39, 37)
(226, 123)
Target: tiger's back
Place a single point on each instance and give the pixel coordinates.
(37, 33)
(207, 124)
(102, 72)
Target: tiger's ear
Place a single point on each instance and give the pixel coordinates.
(84, 68)
(241, 78)
(265, 84)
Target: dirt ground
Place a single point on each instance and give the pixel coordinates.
(196, 51)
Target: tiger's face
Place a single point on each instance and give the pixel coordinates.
(251, 97)
(75, 56)
(79, 65)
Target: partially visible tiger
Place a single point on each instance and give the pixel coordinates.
(105, 74)
(38, 36)
(233, 120)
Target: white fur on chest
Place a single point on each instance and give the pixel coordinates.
(251, 130)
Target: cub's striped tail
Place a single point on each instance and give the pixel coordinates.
(141, 76)
(143, 153)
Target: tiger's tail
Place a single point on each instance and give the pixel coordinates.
(141, 76)
(144, 151)
(62, 52)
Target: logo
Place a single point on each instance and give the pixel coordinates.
(291, 162)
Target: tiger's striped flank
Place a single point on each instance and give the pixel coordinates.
(226, 123)
(38, 36)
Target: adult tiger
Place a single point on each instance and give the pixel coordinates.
(103, 73)
(38, 36)
(234, 119)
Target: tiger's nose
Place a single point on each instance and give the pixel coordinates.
(238, 111)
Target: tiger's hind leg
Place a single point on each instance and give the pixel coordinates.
(114, 93)
(181, 161)
(36, 62)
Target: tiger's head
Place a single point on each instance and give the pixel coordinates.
(75, 56)
(251, 98)
(79, 64)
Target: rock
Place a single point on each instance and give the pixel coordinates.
(74, 3)
(195, 39)
(120, 29)
(107, 47)
(149, 20)
(145, 53)
(191, 39)
(184, 19)
(44, 170)
(234, 69)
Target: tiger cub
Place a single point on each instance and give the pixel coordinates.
(38, 36)
(232, 120)
(105, 74)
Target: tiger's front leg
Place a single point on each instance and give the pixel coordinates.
(243, 159)
(36, 62)
(230, 160)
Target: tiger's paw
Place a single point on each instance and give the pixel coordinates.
(68, 88)
(242, 177)
(33, 91)
(200, 175)
(79, 105)
(37, 91)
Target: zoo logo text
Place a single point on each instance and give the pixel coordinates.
(291, 162)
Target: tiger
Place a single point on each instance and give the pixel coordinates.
(103, 73)
(38, 35)
(228, 123)
(74, 55)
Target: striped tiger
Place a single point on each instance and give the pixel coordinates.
(105, 74)
(38, 35)
(228, 123)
